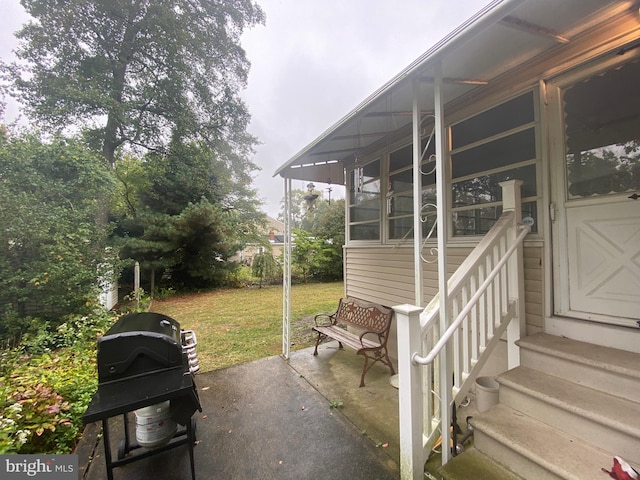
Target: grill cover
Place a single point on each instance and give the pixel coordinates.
(139, 343)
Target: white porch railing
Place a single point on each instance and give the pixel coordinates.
(486, 298)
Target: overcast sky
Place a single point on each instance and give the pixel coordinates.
(312, 63)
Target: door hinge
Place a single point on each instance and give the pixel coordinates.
(543, 92)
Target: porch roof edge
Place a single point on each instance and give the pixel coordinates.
(490, 14)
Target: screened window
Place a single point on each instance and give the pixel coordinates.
(603, 134)
(364, 202)
(506, 116)
(491, 147)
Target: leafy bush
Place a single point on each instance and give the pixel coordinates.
(44, 337)
(315, 258)
(131, 304)
(241, 277)
(266, 268)
(51, 249)
(46, 385)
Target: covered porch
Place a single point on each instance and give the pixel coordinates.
(432, 162)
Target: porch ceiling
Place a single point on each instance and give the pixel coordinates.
(499, 40)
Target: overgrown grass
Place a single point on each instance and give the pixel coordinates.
(239, 325)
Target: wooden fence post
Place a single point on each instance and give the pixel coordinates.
(136, 283)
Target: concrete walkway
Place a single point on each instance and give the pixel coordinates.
(272, 419)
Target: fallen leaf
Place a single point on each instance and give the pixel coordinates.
(280, 462)
(204, 416)
(205, 388)
(230, 431)
(385, 445)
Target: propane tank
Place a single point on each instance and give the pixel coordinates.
(154, 426)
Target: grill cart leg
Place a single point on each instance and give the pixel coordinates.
(191, 435)
(125, 444)
(107, 448)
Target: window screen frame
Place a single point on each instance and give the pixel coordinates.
(524, 125)
(357, 175)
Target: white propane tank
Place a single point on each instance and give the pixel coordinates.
(154, 426)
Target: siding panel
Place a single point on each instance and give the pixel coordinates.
(385, 275)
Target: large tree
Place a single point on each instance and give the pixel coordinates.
(184, 216)
(138, 72)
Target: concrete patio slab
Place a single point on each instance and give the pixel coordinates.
(272, 419)
(373, 409)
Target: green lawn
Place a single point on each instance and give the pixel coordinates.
(239, 325)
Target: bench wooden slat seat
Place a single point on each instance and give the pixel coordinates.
(365, 319)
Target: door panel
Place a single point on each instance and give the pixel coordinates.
(604, 259)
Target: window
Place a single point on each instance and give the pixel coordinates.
(400, 190)
(491, 147)
(603, 134)
(364, 202)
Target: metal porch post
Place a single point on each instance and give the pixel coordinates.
(417, 198)
(445, 370)
(286, 274)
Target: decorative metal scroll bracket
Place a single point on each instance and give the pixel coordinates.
(433, 252)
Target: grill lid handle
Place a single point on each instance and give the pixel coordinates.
(167, 323)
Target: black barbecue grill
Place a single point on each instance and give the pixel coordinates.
(142, 361)
(139, 344)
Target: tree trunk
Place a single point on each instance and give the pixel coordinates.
(114, 121)
(153, 281)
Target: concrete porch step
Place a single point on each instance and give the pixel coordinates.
(614, 371)
(606, 421)
(473, 464)
(533, 450)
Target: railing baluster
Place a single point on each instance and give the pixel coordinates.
(436, 387)
(482, 313)
(457, 369)
(488, 295)
(495, 297)
(504, 293)
(430, 386)
(473, 282)
(466, 332)
(427, 389)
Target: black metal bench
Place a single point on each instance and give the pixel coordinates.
(365, 319)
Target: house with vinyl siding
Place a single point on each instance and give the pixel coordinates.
(493, 200)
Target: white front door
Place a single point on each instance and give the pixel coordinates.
(597, 232)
